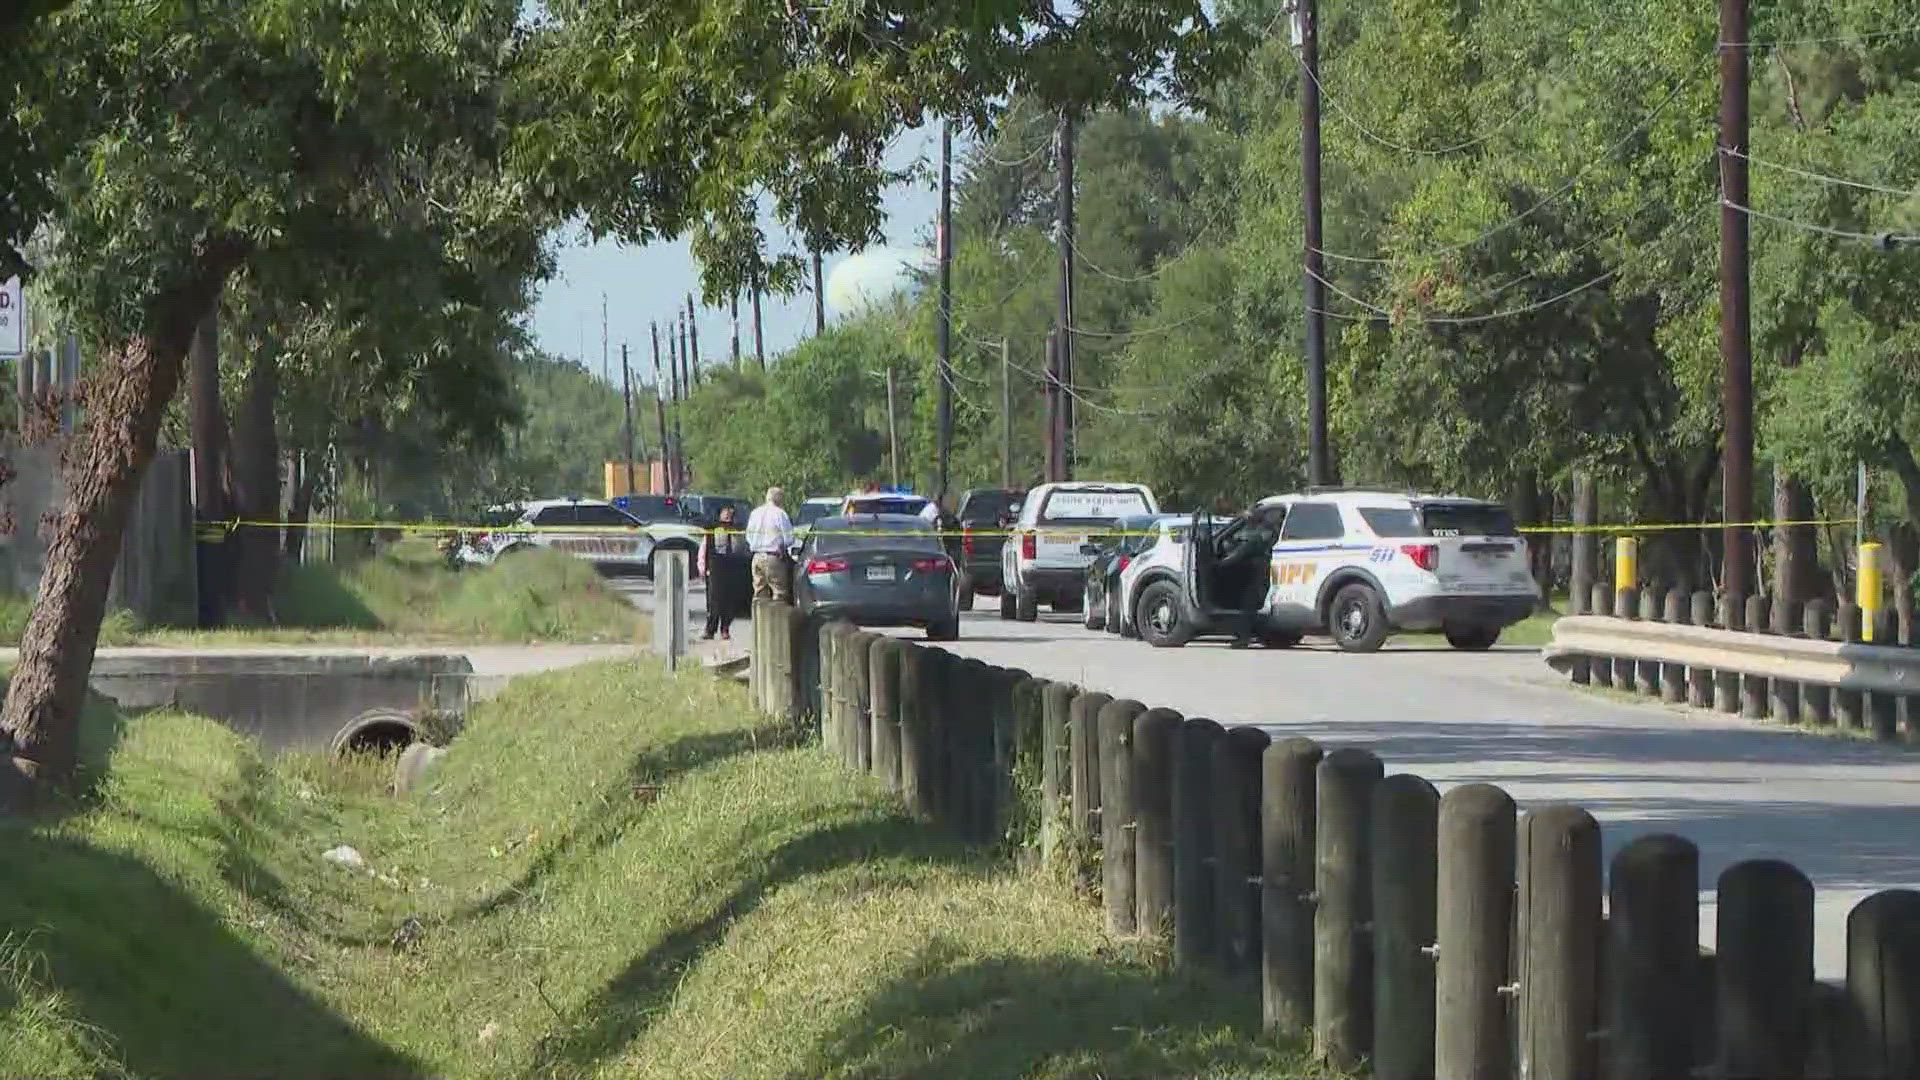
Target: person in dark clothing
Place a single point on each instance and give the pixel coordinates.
(1246, 565)
(725, 562)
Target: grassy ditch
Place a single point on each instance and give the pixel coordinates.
(405, 594)
(615, 873)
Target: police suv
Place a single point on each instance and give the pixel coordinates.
(601, 533)
(1353, 564)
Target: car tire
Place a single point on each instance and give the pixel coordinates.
(1006, 605)
(1472, 638)
(1158, 616)
(944, 630)
(966, 595)
(1026, 607)
(1091, 618)
(1357, 620)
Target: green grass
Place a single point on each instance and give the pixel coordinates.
(1535, 631)
(614, 874)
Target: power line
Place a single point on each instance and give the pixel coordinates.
(1839, 39)
(1552, 197)
(1839, 181)
(1885, 239)
(1370, 135)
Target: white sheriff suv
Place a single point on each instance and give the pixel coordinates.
(601, 533)
(1353, 564)
(1051, 544)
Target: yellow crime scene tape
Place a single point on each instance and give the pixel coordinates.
(215, 531)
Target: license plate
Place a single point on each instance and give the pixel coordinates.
(880, 573)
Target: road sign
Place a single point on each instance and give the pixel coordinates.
(13, 319)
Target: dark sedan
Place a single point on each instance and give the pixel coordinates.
(1129, 537)
(878, 570)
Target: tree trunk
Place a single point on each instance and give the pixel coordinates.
(208, 423)
(102, 472)
(1796, 552)
(256, 494)
(1584, 556)
(300, 512)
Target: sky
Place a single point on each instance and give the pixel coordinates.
(650, 284)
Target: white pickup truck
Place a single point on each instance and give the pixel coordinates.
(1050, 546)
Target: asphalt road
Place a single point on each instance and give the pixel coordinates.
(1846, 812)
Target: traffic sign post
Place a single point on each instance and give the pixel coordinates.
(13, 319)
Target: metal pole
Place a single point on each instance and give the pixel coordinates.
(893, 434)
(660, 414)
(1006, 414)
(943, 332)
(819, 297)
(679, 403)
(1063, 344)
(1736, 341)
(626, 401)
(1319, 459)
(693, 344)
(759, 341)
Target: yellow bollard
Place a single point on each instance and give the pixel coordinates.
(1626, 564)
(1869, 589)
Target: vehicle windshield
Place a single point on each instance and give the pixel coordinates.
(1091, 506)
(811, 512)
(886, 504)
(653, 507)
(988, 506)
(842, 540)
(1392, 522)
(1467, 519)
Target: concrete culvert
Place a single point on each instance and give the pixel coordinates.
(377, 731)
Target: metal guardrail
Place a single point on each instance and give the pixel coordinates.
(1833, 664)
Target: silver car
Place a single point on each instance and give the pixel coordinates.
(878, 570)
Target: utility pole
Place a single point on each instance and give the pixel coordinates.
(893, 434)
(660, 415)
(679, 432)
(1006, 414)
(1736, 329)
(1319, 457)
(943, 331)
(693, 343)
(733, 304)
(819, 297)
(626, 401)
(1055, 419)
(606, 371)
(1063, 342)
(759, 341)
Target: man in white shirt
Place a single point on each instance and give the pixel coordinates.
(770, 538)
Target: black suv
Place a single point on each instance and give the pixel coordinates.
(985, 514)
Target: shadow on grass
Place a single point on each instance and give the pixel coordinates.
(1005, 1016)
(645, 776)
(629, 1003)
(178, 993)
(314, 598)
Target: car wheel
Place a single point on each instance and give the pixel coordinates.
(1092, 619)
(1357, 621)
(1026, 607)
(1006, 605)
(944, 630)
(1112, 619)
(1158, 616)
(966, 594)
(1472, 638)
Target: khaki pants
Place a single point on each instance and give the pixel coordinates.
(772, 578)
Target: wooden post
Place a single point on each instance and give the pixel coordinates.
(1055, 769)
(1784, 694)
(1236, 846)
(1288, 833)
(1653, 942)
(1673, 677)
(1024, 736)
(1626, 605)
(1154, 732)
(1648, 671)
(1849, 708)
(1883, 710)
(1753, 688)
(884, 669)
(969, 712)
(826, 662)
(860, 688)
(1083, 747)
(759, 658)
(1406, 822)
(919, 685)
(1193, 841)
(1475, 918)
(1116, 811)
(1601, 603)
(1815, 698)
(1343, 883)
(1883, 981)
(1726, 684)
(1559, 962)
(799, 694)
(1763, 962)
(1700, 679)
